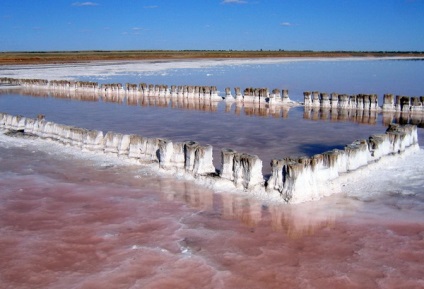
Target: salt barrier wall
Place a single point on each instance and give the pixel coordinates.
(257, 96)
(292, 180)
(247, 108)
(366, 102)
(250, 95)
(302, 179)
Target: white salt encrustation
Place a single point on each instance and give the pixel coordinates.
(293, 180)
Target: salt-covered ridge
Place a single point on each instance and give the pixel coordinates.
(256, 96)
(248, 108)
(367, 102)
(210, 93)
(292, 180)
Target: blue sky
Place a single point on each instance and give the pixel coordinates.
(43, 25)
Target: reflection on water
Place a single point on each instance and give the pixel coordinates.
(98, 223)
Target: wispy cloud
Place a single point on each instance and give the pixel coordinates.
(287, 24)
(80, 4)
(233, 2)
(151, 7)
(134, 31)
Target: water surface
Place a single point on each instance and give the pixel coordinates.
(74, 220)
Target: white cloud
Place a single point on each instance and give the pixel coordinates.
(79, 4)
(287, 24)
(233, 2)
(151, 7)
(137, 28)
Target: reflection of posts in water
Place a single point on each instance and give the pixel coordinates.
(301, 221)
(325, 113)
(343, 114)
(132, 100)
(307, 113)
(388, 117)
(162, 101)
(315, 113)
(285, 111)
(334, 114)
(241, 208)
(190, 194)
(251, 109)
(228, 106)
(358, 115)
(295, 222)
(372, 119)
(403, 118)
(354, 115)
(239, 108)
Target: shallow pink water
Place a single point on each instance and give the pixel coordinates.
(72, 223)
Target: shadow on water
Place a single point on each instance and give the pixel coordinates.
(311, 149)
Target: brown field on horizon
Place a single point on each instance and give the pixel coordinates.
(39, 57)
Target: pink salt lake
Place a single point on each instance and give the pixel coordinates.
(72, 221)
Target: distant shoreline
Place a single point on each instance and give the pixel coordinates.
(50, 57)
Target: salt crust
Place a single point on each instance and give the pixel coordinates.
(345, 183)
(106, 69)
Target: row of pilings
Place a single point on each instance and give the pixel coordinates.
(247, 108)
(368, 117)
(254, 101)
(292, 180)
(366, 102)
(257, 96)
(250, 95)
